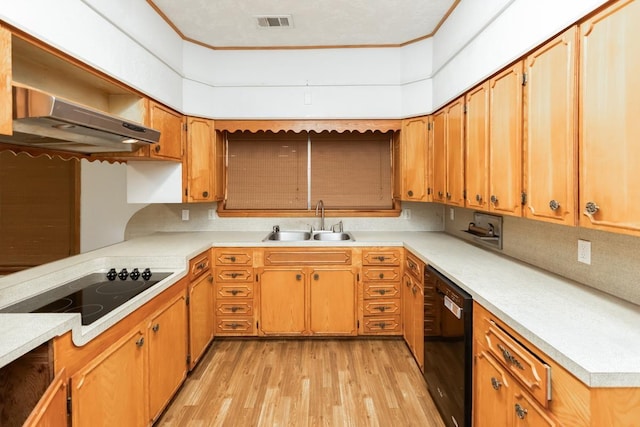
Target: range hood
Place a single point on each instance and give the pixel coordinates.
(44, 121)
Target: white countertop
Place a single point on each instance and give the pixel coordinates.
(593, 335)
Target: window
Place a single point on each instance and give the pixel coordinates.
(292, 171)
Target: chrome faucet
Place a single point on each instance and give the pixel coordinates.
(320, 205)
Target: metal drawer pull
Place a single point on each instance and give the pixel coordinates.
(381, 325)
(381, 275)
(510, 358)
(233, 325)
(233, 275)
(520, 411)
(381, 258)
(202, 265)
(495, 383)
(156, 327)
(233, 292)
(381, 291)
(230, 258)
(382, 308)
(234, 309)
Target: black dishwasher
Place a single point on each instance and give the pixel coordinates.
(448, 350)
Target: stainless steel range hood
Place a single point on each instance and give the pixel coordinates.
(44, 121)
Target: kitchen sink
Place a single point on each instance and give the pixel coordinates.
(333, 236)
(301, 236)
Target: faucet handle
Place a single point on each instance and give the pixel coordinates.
(339, 225)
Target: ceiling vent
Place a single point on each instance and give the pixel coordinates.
(274, 21)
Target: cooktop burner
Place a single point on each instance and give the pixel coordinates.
(93, 296)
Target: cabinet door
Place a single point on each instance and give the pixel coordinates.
(417, 312)
(550, 141)
(492, 393)
(51, 410)
(170, 125)
(609, 126)
(455, 153)
(332, 306)
(167, 332)
(201, 311)
(282, 302)
(111, 390)
(407, 310)
(200, 160)
(477, 148)
(439, 156)
(505, 141)
(527, 413)
(415, 148)
(6, 99)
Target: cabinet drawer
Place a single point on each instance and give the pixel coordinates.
(234, 307)
(230, 325)
(233, 256)
(381, 257)
(199, 265)
(383, 325)
(300, 257)
(533, 373)
(381, 273)
(386, 307)
(237, 290)
(414, 266)
(381, 290)
(232, 275)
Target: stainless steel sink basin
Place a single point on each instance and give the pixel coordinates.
(301, 236)
(333, 236)
(288, 236)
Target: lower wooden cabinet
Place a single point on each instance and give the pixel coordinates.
(413, 307)
(201, 308)
(111, 390)
(381, 296)
(167, 353)
(307, 301)
(51, 410)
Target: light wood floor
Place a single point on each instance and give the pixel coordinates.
(310, 382)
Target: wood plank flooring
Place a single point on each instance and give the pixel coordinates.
(312, 382)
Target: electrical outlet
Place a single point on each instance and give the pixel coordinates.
(452, 214)
(211, 214)
(185, 214)
(406, 213)
(584, 251)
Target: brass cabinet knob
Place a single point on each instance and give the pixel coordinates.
(554, 205)
(494, 199)
(591, 208)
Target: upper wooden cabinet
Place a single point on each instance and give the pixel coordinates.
(550, 140)
(6, 114)
(414, 152)
(505, 141)
(171, 126)
(477, 148)
(609, 126)
(204, 166)
(448, 154)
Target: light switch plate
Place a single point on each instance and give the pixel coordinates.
(452, 214)
(211, 214)
(584, 251)
(185, 214)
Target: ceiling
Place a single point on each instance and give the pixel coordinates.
(314, 23)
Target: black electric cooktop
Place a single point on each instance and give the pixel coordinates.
(93, 296)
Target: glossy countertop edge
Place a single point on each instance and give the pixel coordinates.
(602, 349)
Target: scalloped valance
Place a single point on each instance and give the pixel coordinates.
(338, 125)
(62, 155)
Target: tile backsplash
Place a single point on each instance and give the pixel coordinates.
(614, 267)
(168, 217)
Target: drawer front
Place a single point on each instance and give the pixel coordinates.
(414, 266)
(381, 273)
(199, 265)
(233, 256)
(234, 307)
(232, 275)
(381, 290)
(381, 257)
(382, 325)
(230, 325)
(534, 374)
(299, 257)
(237, 290)
(377, 307)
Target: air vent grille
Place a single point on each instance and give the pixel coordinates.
(273, 21)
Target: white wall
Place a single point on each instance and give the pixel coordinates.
(104, 211)
(479, 38)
